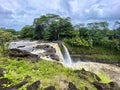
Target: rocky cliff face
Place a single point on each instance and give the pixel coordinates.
(47, 51)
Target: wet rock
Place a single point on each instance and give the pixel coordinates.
(18, 53)
(51, 50)
(54, 57)
(34, 86)
(86, 88)
(87, 74)
(44, 47)
(21, 46)
(49, 88)
(4, 81)
(2, 71)
(19, 85)
(101, 86)
(114, 86)
(71, 86)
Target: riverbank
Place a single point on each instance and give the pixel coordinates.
(95, 54)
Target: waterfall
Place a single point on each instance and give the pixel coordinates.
(66, 56)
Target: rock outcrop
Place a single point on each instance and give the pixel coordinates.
(86, 74)
(71, 86)
(106, 86)
(34, 86)
(31, 48)
(2, 71)
(49, 88)
(17, 53)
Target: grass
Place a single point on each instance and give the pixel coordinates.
(104, 78)
(49, 73)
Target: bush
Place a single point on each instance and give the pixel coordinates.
(113, 44)
(79, 42)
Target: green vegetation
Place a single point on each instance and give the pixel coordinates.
(4, 38)
(96, 53)
(52, 27)
(48, 27)
(49, 73)
(104, 78)
(94, 41)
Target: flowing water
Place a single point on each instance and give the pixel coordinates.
(67, 59)
(111, 71)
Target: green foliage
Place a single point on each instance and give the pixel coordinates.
(61, 28)
(53, 27)
(104, 78)
(14, 32)
(27, 32)
(4, 38)
(49, 27)
(79, 42)
(49, 73)
(96, 53)
(113, 44)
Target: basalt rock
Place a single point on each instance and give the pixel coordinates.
(106, 86)
(71, 86)
(51, 50)
(2, 71)
(49, 88)
(19, 85)
(87, 74)
(18, 53)
(114, 86)
(54, 57)
(4, 81)
(34, 86)
(101, 86)
(45, 47)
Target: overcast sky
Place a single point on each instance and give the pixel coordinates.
(18, 13)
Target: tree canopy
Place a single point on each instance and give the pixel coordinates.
(53, 27)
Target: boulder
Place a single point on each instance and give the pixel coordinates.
(87, 74)
(101, 86)
(54, 57)
(51, 50)
(71, 86)
(49, 88)
(47, 48)
(2, 71)
(4, 81)
(18, 53)
(19, 85)
(34, 86)
(44, 47)
(114, 86)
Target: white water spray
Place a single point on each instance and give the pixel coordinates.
(66, 56)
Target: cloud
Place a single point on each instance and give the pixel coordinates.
(18, 13)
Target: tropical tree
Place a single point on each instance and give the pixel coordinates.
(27, 32)
(4, 38)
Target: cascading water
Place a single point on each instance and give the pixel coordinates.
(66, 56)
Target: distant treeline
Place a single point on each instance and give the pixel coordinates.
(53, 27)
